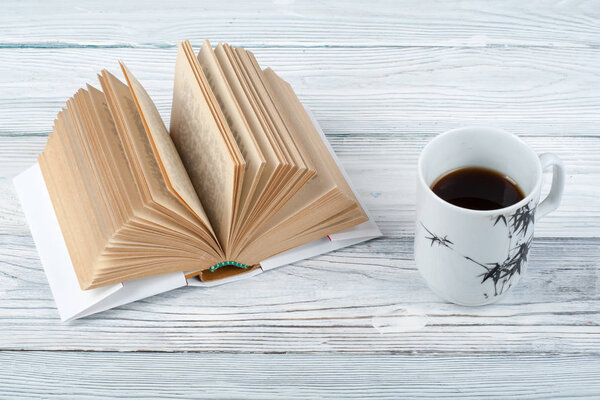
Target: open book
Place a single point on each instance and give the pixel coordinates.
(242, 174)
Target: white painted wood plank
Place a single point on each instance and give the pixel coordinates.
(352, 91)
(384, 172)
(59, 375)
(326, 304)
(340, 23)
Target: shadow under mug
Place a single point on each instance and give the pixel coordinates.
(471, 257)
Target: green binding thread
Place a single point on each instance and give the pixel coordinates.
(224, 263)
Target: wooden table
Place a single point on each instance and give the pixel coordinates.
(383, 79)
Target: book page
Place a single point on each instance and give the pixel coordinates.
(275, 161)
(140, 154)
(299, 173)
(112, 150)
(255, 161)
(166, 153)
(325, 205)
(288, 133)
(132, 160)
(119, 217)
(68, 204)
(205, 154)
(164, 225)
(287, 170)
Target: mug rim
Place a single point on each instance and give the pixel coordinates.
(525, 200)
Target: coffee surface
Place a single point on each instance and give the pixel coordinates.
(477, 189)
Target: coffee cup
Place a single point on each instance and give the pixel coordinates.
(474, 257)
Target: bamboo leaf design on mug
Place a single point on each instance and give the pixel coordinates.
(518, 226)
(504, 271)
(501, 272)
(501, 218)
(521, 219)
(435, 239)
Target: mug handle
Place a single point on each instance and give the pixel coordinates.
(552, 200)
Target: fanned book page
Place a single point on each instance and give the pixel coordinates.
(241, 176)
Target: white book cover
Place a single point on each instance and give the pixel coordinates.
(73, 302)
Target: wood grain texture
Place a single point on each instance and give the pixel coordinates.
(287, 22)
(326, 304)
(374, 91)
(59, 375)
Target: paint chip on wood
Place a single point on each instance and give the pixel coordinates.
(400, 320)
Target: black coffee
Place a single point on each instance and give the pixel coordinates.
(477, 189)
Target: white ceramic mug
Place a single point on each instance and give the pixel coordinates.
(472, 257)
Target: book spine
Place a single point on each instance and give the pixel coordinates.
(224, 263)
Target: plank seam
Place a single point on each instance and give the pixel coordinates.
(67, 45)
(335, 352)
